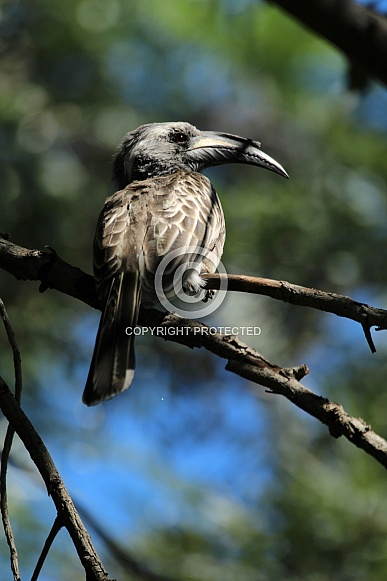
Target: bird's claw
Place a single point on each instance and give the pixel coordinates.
(209, 294)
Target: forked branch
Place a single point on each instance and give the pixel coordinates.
(54, 484)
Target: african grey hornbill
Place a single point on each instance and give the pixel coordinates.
(162, 203)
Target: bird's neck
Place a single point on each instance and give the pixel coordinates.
(149, 169)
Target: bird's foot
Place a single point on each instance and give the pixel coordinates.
(192, 282)
(209, 295)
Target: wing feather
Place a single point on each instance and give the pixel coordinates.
(149, 219)
(137, 228)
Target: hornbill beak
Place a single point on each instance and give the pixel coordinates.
(212, 148)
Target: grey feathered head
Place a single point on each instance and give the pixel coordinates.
(162, 148)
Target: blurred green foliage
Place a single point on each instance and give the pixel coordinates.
(251, 489)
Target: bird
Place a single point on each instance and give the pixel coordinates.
(162, 206)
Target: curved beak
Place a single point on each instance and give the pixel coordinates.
(211, 148)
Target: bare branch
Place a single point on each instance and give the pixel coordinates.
(359, 33)
(241, 358)
(4, 503)
(329, 413)
(8, 445)
(56, 526)
(48, 268)
(248, 363)
(54, 484)
(57, 274)
(339, 305)
(15, 351)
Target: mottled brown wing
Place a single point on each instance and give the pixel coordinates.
(119, 235)
(136, 229)
(147, 220)
(185, 214)
(118, 284)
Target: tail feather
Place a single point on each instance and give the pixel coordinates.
(112, 366)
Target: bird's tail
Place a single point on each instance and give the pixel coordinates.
(113, 362)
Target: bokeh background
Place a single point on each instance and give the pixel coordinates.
(194, 471)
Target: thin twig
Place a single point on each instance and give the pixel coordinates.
(295, 294)
(4, 504)
(8, 445)
(15, 351)
(56, 526)
(368, 336)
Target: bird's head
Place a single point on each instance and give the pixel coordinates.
(163, 148)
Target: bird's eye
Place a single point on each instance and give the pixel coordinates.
(178, 137)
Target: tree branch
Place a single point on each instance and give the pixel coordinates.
(241, 358)
(280, 290)
(248, 363)
(8, 445)
(55, 273)
(121, 555)
(47, 267)
(329, 413)
(359, 33)
(56, 527)
(54, 484)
